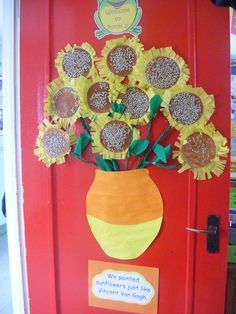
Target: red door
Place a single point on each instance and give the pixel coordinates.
(59, 242)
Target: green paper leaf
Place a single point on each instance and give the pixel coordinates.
(167, 150)
(138, 147)
(120, 108)
(162, 153)
(115, 164)
(155, 104)
(103, 164)
(84, 124)
(83, 140)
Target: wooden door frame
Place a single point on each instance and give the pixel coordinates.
(12, 156)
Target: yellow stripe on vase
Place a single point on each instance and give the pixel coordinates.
(124, 241)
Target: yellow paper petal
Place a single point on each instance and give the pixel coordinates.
(68, 114)
(216, 164)
(102, 66)
(195, 109)
(170, 69)
(131, 91)
(73, 72)
(96, 128)
(85, 85)
(63, 136)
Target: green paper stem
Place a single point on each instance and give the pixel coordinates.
(82, 142)
(138, 163)
(157, 141)
(115, 164)
(142, 164)
(167, 166)
(87, 125)
(84, 124)
(149, 129)
(86, 161)
(104, 164)
(155, 105)
(138, 147)
(163, 134)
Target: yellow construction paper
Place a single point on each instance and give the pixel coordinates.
(124, 241)
(217, 163)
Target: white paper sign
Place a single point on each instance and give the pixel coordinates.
(130, 287)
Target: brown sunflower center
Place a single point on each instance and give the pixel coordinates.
(199, 150)
(77, 62)
(65, 103)
(136, 102)
(98, 97)
(121, 60)
(162, 72)
(56, 142)
(186, 108)
(115, 136)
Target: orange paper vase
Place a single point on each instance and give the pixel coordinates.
(124, 211)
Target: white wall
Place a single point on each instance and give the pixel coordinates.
(233, 45)
(2, 218)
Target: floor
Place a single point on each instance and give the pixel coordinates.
(5, 289)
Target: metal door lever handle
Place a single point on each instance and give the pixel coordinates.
(210, 230)
(212, 233)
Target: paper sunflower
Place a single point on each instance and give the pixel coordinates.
(161, 69)
(201, 149)
(63, 103)
(112, 136)
(97, 96)
(187, 106)
(75, 61)
(119, 56)
(53, 143)
(137, 102)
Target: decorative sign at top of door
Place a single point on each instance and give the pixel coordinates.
(113, 97)
(117, 17)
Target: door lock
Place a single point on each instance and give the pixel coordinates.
(212, 232)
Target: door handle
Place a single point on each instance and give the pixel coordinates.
(212, 232)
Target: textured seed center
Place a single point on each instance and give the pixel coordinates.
(77, 62)
(121, 60)
(162, 72)
(98, 97)
(65, 103)
(115, 136)
(199, 150)
(186, 108)
(136, 102)
(56, 143)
